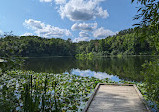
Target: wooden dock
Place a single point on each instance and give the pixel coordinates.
(116, 98)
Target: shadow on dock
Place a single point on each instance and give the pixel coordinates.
(116, 98)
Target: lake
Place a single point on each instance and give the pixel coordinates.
(114, 68)
(57, 89)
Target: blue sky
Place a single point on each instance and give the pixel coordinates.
(75, 19)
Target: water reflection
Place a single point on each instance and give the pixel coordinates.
(99, 75)
(125, 68)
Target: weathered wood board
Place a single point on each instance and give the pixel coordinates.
(116, 98)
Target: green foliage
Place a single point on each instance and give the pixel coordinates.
(83, 56)
(151, 76)
(126, 42)
(31, 46)
(148, 15)
(32, 92)
(148, 12)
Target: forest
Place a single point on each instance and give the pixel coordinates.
(39, 87)
(126, 42)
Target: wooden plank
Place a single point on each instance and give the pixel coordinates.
(91, 98)
(141, 97)
(116, 97)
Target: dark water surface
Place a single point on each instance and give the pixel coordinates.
(124, 68)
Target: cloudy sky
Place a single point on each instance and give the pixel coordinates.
(80, 20)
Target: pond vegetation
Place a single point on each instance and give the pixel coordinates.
(30, 91)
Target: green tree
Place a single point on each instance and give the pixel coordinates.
(148, 12)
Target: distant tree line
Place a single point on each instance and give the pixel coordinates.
(31, 46)
(126, 42)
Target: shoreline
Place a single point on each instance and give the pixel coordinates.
(94, 56)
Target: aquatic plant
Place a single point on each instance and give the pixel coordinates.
(30, 91)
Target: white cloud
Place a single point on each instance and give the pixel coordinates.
(82, 10)
(27, 34)
(78, 39)
(1, 32)
(33, 24)
(60, 1)
(83, 34)
(45, 0)
(84, 26)
(103, 33)
(44, 30)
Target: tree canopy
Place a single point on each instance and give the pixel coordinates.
(126, 42)
(148, 12)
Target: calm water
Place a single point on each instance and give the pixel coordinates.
(126, 68)
(21, 91)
